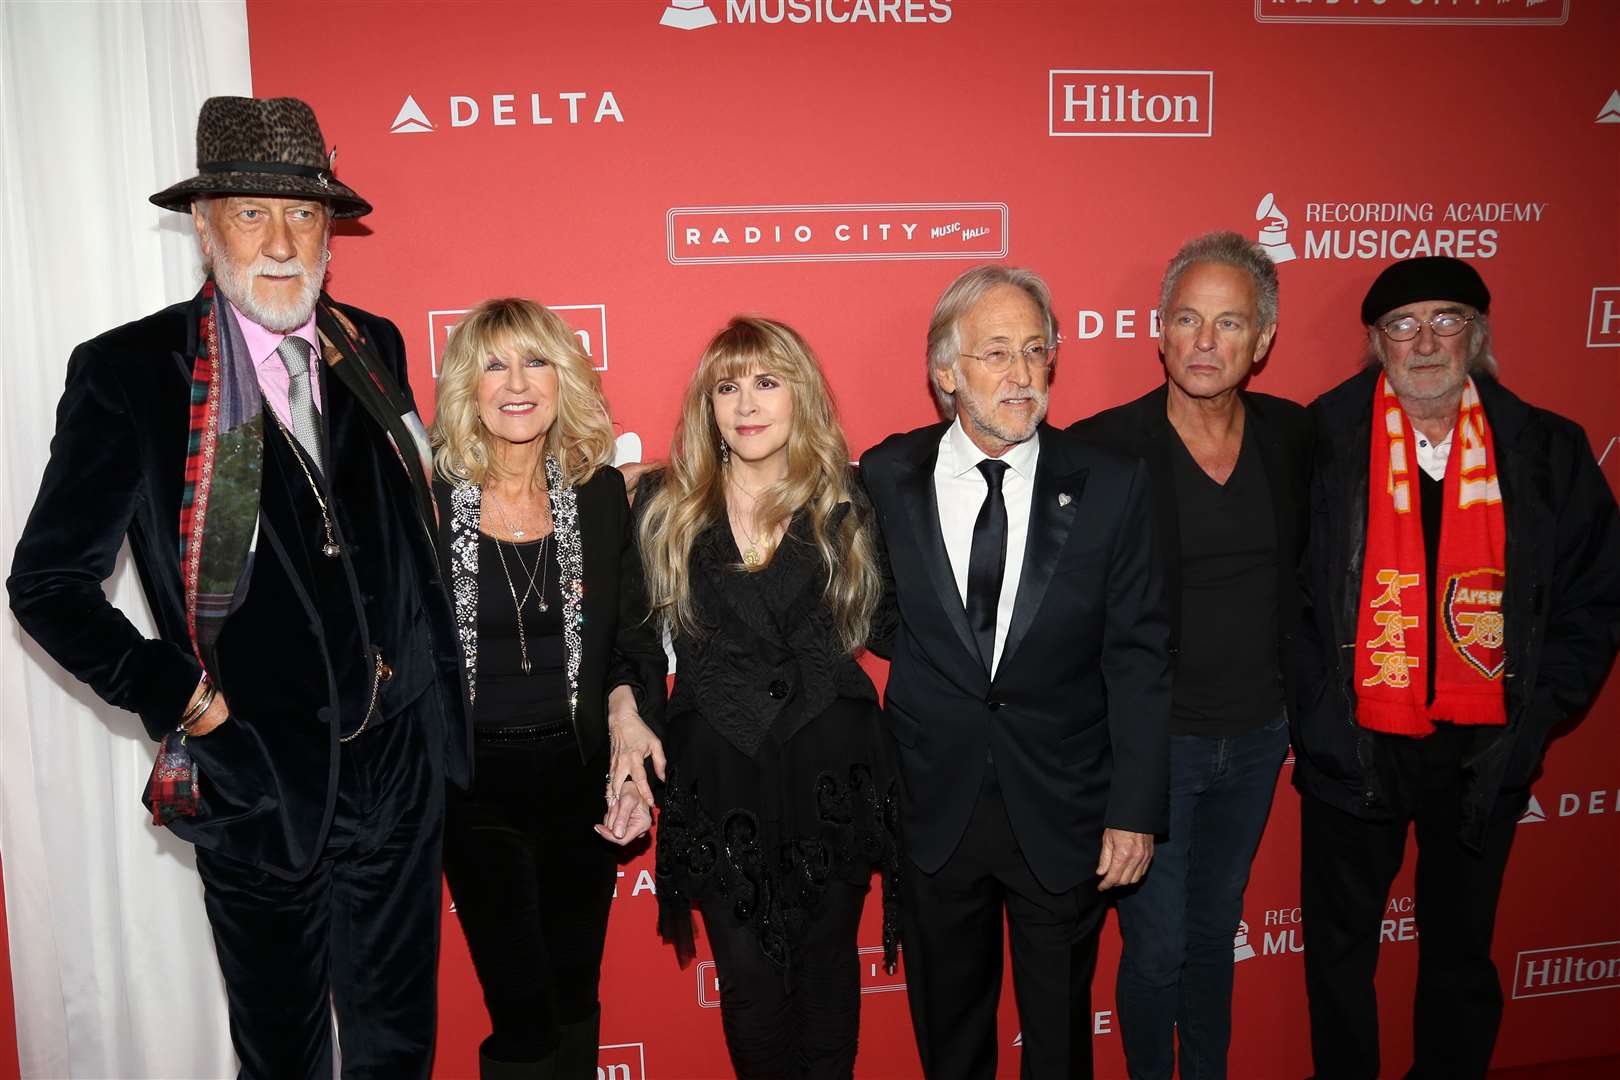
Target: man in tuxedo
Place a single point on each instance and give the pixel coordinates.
(259, 447)
(1029, 691)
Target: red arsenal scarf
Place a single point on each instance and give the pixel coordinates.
(1392, 661)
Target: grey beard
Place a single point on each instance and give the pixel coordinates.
(982, 417)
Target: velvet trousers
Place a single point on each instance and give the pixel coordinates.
(532, 884)
(358, 938)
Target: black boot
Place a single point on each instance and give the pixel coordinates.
(494, 1069)
(576, 1051)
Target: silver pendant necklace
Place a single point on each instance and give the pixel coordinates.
(500, 508)
(330, 549)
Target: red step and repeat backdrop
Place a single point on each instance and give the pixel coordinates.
(650, 168)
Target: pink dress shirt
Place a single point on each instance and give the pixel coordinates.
(273, 381)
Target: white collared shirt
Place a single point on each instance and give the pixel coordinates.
(960, 489)
(1432, 456)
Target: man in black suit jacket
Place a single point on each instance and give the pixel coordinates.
(1229, 471)
(1029, 686)
(259, 447)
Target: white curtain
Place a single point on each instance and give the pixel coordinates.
(112, 963)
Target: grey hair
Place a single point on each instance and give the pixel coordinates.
(944, 335)
(1227, 249)
(1481, 356)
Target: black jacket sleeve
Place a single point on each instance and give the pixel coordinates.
(1136, 671)
(92, 487)
(638, 659)
(1583, 617)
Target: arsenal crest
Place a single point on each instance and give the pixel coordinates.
(1471, 608)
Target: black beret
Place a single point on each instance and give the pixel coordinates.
(1432, 277)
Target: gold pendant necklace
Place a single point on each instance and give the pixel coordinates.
(752, 556)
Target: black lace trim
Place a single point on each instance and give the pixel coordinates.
(776, 893)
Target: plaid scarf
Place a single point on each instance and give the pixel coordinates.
(219, 506)
(1392, 637)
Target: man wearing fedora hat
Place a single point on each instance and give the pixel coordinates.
(1463, 581)
(259, 447)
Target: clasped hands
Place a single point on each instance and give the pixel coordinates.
(629, 795)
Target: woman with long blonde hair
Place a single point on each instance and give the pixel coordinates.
(563, 671)
(761, 561)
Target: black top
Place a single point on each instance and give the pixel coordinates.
(1227, 680)
(1282, 435)
(1431, 494)
(506, 696)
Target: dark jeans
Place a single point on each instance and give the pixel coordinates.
(802, 1022)
(1346, 867)
(532, 885)
(952, 922)
(359, 934)
(1175, 971)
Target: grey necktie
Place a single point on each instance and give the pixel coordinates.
(306, 422)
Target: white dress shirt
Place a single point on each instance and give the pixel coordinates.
(1432, 456)
(960, 489)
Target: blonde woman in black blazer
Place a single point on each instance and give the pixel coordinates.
(563, 677)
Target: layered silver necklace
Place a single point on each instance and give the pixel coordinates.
(535, 574)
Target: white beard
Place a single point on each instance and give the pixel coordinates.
(235, 280)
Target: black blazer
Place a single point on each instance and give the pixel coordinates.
(617, 643)
(1282, 431)
(1077, 715)
(269, 773)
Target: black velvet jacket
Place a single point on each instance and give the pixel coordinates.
(1282, 431)
(1560, 604)
(1077, 716)
(294, 658)
(617, 645)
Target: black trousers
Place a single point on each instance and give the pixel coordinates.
(358, 936)
(802, 1022)
(1346, 867)
(951, 927)
(532, 885)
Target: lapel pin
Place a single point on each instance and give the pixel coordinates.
(1064, 498)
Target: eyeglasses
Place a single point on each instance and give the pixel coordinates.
(998, 358)
(1445, 324)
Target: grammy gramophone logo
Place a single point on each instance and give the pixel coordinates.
(1241, 949)
(687, 15)
(1273, 235)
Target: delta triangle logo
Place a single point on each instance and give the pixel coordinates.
(1533, 812)
(1610, 113)
(411, 119)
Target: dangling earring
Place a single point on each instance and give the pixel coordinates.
(725, 452)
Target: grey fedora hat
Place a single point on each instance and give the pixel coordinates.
(262, 146)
